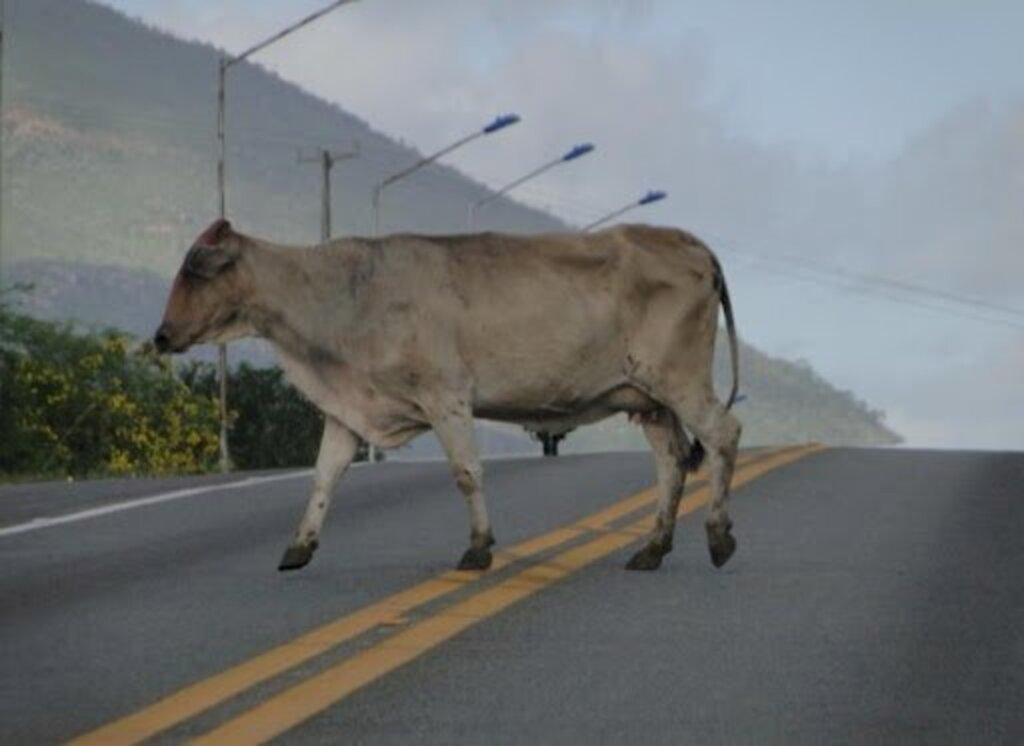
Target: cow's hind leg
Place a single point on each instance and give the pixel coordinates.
(454, 428)
(337, 449)
(719, 430)
(671, 457)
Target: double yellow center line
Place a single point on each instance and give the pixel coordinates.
(304, 700)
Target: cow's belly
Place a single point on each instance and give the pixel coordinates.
(561, 416)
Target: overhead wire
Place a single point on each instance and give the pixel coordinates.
(877, 291)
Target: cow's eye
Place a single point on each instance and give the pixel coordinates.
(189, 267)
(193, 264)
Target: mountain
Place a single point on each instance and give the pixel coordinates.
(110, 172)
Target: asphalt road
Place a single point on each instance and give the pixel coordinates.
(877, 596)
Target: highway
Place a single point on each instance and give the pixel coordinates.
(877, 596)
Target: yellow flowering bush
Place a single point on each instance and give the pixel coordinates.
(81, 404)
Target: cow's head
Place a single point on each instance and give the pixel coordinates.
(206, 303)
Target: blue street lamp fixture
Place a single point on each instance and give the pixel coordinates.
(500, 122)
(653, 195)
(577, 151)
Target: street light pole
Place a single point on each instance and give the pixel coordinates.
(550, 441)
(652, 196)
(2, 44)
(499, 123)
(222, 69)
(222, 349)
(224, 64)
(575, 152)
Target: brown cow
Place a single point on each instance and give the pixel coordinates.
(391, 337)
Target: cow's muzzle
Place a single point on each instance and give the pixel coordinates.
(164, 342)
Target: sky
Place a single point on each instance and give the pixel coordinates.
(786, 133)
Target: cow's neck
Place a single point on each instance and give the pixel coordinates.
(300, 305)
(293, 305)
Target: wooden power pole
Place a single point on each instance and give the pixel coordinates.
(327, 158)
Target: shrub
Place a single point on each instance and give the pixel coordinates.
(82, 404)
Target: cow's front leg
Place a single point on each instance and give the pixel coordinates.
(454, 428)
(337, 449)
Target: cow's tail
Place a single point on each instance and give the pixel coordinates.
(730, 327)
(696, 456)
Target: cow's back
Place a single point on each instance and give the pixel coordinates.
(544, 316)
(498, 270)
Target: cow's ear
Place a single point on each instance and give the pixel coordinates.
(216, 232)
(209, 261)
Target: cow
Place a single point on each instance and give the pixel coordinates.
(390, 337)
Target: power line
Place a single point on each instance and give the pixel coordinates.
(875, 293)
(872, 280)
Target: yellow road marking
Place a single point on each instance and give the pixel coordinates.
(201, 696)
(302, 701)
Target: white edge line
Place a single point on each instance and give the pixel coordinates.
(43, 522)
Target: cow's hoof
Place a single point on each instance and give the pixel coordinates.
(476, 558)
(721, 544)
(296, 556)
(648, 558)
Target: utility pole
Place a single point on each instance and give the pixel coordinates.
(327, 158)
